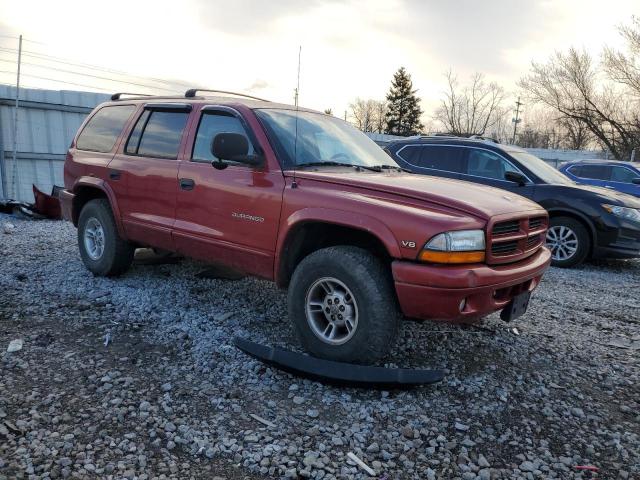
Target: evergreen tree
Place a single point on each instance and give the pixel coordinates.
(403, 114)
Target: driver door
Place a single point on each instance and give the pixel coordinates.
(487, 167)
(229, 215)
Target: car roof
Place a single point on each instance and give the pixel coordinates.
(453, 140)
(635, 165)
(229, 99)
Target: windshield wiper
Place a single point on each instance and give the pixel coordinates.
(393, 167)
(331, 163)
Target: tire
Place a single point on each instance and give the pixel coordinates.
(374, 304)
(576, 236)
(116, 254)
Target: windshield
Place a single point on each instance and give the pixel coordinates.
(540, 168)
(321, 139)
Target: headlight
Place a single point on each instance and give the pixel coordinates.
(623, 212)
(461, 246)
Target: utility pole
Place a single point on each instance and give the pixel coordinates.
(516, 120)
(14, 187)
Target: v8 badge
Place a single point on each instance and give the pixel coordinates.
(408, 244)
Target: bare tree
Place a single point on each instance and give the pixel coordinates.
(601, 98)
(368, 115)
(470, 109)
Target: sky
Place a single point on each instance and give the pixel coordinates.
(349, 48)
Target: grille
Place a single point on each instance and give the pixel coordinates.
(532, 241)
(535, 223)
(512, 226)
(504, 248)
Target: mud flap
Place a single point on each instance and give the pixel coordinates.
(338, 373)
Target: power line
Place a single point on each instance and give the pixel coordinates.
(173, 90)
(65, 61)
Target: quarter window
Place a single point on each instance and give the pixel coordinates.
(211, 125)
(157, 134)
(104, 128)
(411, 154)
(486, 164)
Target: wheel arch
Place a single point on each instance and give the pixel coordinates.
(580, 217)
(90, 188)
(309, 231)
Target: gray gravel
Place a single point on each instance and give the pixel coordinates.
(136, 377)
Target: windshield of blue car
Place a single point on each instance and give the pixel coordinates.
(321, 139)
(540, 168)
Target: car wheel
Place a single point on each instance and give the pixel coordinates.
(102, 250)
(342, 305)
(568, 241)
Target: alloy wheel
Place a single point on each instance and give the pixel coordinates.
(331, 310)
(562, 241)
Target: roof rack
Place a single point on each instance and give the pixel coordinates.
(193, 91)
(118, 96)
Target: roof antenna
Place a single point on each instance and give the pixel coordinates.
(294, 184)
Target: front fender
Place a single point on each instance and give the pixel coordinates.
(358, 221)
(99, 184)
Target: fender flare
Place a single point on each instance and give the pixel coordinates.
(342, 218)
(99, 184)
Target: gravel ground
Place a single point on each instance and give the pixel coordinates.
(168, 396)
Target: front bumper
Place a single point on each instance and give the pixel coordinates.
(66, 204)
(437, 291)
(621, 240)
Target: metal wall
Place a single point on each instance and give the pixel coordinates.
(47, 121)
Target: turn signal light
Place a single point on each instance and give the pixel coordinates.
(451, 257)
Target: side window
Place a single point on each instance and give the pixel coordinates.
(622, 174)
(594, 172)
(448, 159)
(486, 164)
(157, 134)
(410, 154)
(212, 124)
(104, 128)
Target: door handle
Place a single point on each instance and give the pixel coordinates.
(114, 175)
(187, 184)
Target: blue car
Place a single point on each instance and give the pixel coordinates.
(621, 176)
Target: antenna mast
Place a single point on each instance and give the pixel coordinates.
(294, 184)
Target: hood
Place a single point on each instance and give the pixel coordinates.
(471, 198)
(600, 194)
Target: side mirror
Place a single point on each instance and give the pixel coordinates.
(515, 177)
(233, 147)
(636, 181)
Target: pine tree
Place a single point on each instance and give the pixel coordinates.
(403, 114)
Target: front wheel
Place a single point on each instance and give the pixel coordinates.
(342, 305)
(568, 241)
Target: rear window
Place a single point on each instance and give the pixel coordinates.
(157, 134)
(104, 128)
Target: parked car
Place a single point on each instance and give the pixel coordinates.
(303, 199)
(621, 176)
(585, 221)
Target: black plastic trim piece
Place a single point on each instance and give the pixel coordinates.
(338, 373)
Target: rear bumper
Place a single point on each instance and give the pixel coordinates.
(66, 204)
(436, 291)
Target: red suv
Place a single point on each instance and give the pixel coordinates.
(303, 199)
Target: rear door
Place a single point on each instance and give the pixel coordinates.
(488, 167)
(145, 172)
(228, 215)
(597, 175)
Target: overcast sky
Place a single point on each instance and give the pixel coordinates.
(349, 48)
